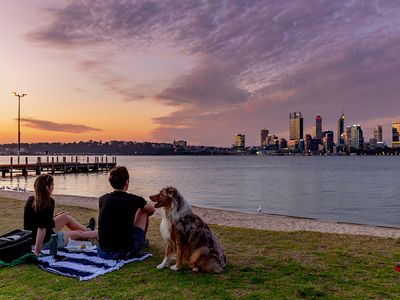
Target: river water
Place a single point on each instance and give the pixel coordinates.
(358, 189)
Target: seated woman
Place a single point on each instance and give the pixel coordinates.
(38, 217)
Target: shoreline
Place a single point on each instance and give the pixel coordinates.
(262, 221)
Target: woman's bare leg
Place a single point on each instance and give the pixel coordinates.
(79, 235)
(65, 219)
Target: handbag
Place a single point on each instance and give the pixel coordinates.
(15, 244)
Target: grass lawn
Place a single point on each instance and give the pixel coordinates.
(261, 265)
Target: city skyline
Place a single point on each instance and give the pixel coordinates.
(164, 70)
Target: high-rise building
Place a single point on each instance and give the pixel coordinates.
(240, 141)
(378, 134)
(318, 126)
(372, 144)
(327, 141)
(264, 137)
(296, 126)
(395, 135)
(340, 131)
(348, 138)
(357, 139)
(307, 143)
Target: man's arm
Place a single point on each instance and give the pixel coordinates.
(149, 209)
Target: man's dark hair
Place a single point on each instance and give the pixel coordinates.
(118, 177)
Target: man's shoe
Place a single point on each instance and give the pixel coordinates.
(92, 224)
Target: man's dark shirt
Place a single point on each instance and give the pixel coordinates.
(117, 212)
(39, 219)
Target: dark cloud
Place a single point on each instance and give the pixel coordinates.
(256, 60)
(204, 86)
(57, 127)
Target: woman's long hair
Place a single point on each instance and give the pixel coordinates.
(42, 195)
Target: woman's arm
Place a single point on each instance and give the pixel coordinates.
(41, 233)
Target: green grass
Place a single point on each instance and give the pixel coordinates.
(261, 265)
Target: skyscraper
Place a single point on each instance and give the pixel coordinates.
(264, 137)
(327, 141)
(348, 138)
(378, 133)
(296, 126)
(340, 131)
(318, 126)
(240, 141)
(310, 144)
(357, 138)
(395, 135)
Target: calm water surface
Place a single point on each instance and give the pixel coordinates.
(360, 189)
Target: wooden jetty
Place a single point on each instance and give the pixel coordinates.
(59, 165)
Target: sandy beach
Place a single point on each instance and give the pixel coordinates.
(237, 219)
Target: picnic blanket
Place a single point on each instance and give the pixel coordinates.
(83, 265)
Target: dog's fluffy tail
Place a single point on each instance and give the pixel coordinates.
(208, 261)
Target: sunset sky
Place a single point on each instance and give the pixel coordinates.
(196, 70)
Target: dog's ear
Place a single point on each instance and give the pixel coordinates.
(177, 198)
(172, 192)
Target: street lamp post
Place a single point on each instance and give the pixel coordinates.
(19, 120)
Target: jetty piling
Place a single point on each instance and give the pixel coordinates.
(39, 166)
(25, 170)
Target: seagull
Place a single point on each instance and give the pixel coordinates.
(259, 209)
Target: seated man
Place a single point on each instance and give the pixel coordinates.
(123, 219)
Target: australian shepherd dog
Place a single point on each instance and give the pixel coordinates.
(188, 237)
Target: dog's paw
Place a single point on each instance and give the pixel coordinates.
(175, 268)
(161, 266)
(195, 269)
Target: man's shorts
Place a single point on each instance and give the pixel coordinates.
(60, 242)
(138, 239)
